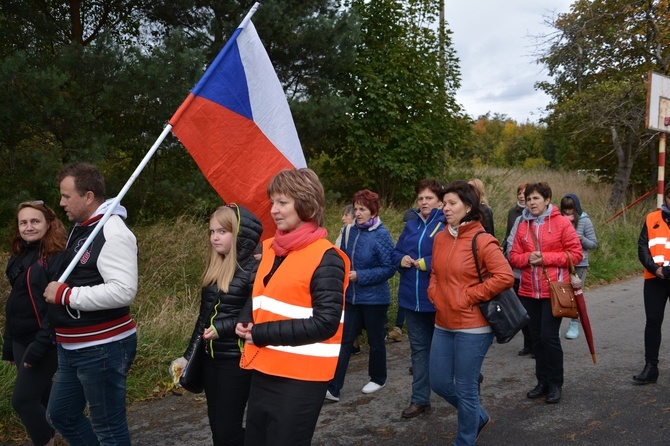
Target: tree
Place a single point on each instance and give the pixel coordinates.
(403, 119)
(598, 58)
(500, 141)
(97, 81)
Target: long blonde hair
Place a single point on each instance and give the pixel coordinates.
(479, 188)
(220, 269)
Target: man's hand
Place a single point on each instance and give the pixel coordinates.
(50, 292)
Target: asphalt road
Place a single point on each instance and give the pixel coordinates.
(600, 404)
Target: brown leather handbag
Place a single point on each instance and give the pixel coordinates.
(562, 295)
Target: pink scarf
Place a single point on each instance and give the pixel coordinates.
(285, 242)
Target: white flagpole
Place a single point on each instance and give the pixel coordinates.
(132, 179)
(115, 203)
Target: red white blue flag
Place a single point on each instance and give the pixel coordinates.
(237, 125)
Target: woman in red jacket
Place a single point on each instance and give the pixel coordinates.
(541, 241)
(462, 336)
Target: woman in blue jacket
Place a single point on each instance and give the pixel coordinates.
(368, 295)
(413, 257)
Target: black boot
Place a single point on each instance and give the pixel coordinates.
(553, 394)
(649, 374)
(538, 391)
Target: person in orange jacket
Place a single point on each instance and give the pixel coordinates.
(462, 335)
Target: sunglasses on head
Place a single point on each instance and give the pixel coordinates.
(31, 203)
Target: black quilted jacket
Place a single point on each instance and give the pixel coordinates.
(226, 306)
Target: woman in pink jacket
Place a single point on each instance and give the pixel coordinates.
(541, 241)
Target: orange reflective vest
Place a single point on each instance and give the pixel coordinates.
(658, 235)
(287, 296)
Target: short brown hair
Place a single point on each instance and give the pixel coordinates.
(304, 187)
(429, 183)
(541, 188)
(87, 178)
(368, 199)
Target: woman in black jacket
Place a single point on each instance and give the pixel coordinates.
(234, 233)
(27, 341)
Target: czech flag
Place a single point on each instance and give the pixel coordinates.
(237, 125)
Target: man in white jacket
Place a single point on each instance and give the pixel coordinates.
(90, 315)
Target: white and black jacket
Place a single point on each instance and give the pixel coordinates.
(93, 307)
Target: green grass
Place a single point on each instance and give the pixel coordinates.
(172, 258)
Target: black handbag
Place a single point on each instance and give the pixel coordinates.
(191, 375)
(504, 312)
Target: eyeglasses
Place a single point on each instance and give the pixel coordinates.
(31, 203)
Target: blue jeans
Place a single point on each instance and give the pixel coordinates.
(95, 376)
(420, 327)
(455, 363)
(374, 318)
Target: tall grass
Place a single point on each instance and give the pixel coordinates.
(172, 257)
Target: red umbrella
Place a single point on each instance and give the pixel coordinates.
(583, 315)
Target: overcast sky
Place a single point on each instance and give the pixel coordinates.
(493, 41)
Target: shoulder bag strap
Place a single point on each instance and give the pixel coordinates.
(32, 299)
(474, 253)
(536, 243)
(571, 263)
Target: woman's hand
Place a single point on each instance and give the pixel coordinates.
(535, 258)
(659, 273)
(210, 333)
(353, 277)
(243, 330)
(407, 262)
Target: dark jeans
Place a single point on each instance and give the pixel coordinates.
(31, 392)
(94, 377)
(227, 391)
(420, 327)
(282, 411)
(374, 318)
(544, 331)
(656, 293)
(400, 318)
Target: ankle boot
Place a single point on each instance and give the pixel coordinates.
(649, 374)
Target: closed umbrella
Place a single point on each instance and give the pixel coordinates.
(583, 314)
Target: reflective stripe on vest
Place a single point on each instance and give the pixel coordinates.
(287, 296)
(657, 234)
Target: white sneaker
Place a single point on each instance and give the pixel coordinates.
(573, 330)
(372, 387)
(330, 397)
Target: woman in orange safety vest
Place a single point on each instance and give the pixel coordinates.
(292, 326)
